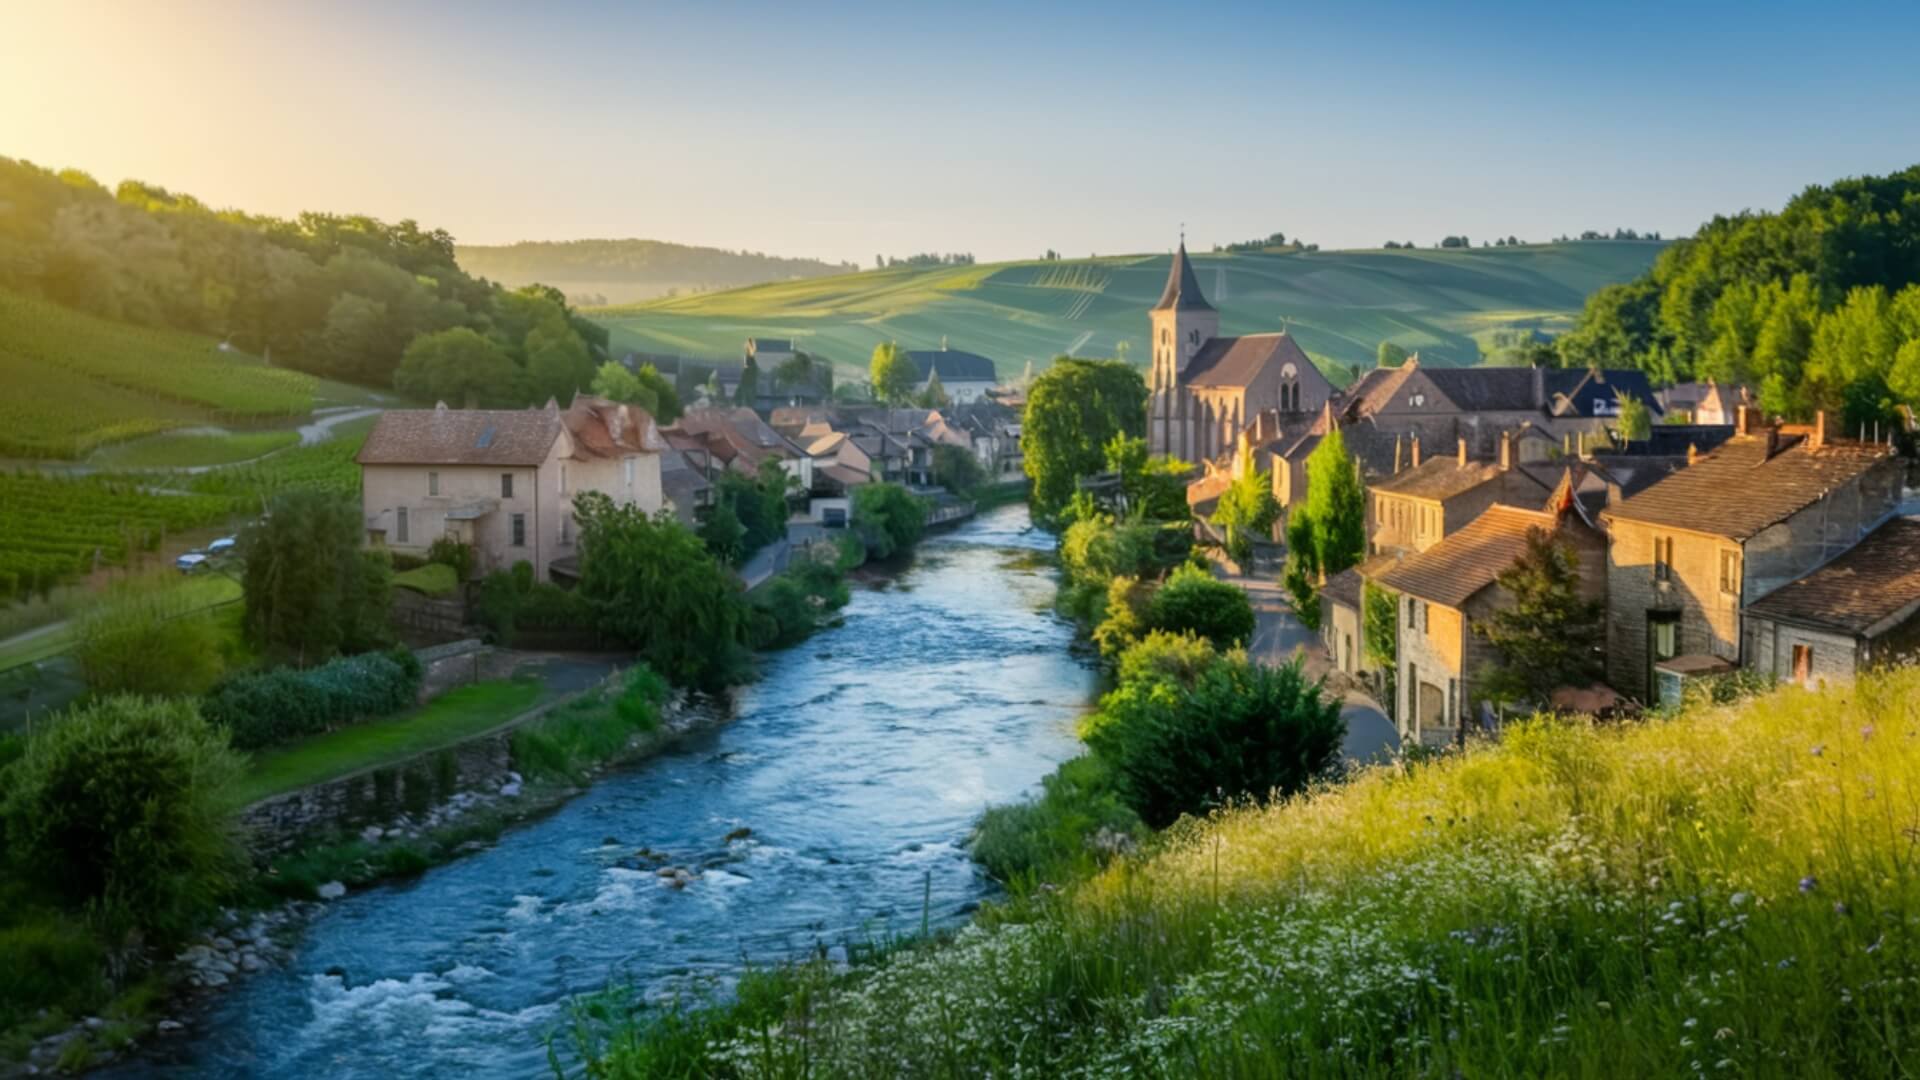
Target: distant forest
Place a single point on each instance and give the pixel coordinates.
(599, 272)
(1817, 306)
(342, 296)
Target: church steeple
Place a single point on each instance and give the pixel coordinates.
(1183, 289)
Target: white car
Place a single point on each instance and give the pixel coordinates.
(190, 562)
(223, 545)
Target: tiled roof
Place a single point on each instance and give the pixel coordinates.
(1593, 392)
(1373, 390)
(1183, 291)
(952, 365)
(1738, 490)
(609, 429)
(1438, 478)
(1874, 581)
(1237, 361)
(445, 436)
(1485, 389)
(1344, 587)
(1451, 571)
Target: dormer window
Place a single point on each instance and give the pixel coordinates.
(1193, 337)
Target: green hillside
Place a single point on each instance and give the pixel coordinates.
(624, 271)
(1339, 304)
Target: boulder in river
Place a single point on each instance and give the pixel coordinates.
(740, 833)
(332, 890)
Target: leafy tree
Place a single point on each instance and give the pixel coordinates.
(1549, 635)
(119, 811)
(1239, 731)
(723, 534)
(310, 591)
(459, 367)
(650, 582)
(758, 505)
(892, 373)
(1247, 508)
(1328, 533)
(1074, 409)
(147, 643)
(558, 363)
(935, 395)
(957, 469)
(888, 518)
(646, 388)
(1635, 422)
(1390, 355)
(1155, 487)
(1194, 601)
(1381, 616)
(805, 369)
(748, 392)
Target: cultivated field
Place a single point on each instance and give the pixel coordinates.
(75, 382)
(1339, 304)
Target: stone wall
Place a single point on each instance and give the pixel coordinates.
(437, 617)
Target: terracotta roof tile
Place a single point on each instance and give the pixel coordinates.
(1874, 581)
(461, 437)
(1451, 571)
(1439, 478)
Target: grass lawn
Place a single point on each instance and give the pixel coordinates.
(179, 450)
(433, 579)
(447, 719)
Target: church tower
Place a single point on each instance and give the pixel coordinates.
(1183, 322)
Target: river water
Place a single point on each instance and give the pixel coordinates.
(859, 760)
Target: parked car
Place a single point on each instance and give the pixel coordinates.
(191, 562)
(222, 546)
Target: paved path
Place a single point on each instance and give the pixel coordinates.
(765, 563)
(1278, 636)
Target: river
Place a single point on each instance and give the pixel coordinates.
(859, 760)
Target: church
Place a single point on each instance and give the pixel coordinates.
(1205, 389)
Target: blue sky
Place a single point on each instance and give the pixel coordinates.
(845, 130)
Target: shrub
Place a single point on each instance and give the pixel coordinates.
(650, 582)
(790, 607)
(1077, 823)
(1194, 601)
(511, 601)
(311, 592)
(889, 518)
(592, 729)
(453, 554)
(51, 963)
(147, 643)
(1240, 731)
(274, 706)
(117, 811)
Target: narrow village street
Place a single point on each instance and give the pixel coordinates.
(1278, 635)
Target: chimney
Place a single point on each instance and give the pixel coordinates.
(1415, 442)
(1819, 438)
(1566, 444)
(1693, 453)
(1740, 420)
(1506, 450)
(1463, 451)
(1396, 455)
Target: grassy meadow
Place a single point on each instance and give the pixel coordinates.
(76, 381)
(1339, 304)
(1733, 892)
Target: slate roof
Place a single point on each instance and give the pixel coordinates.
(1343, 588)
(1485, 389)
(1873, 582)
(1738, 490)
(1236, 361)
(1438, 478)
(953, 365)
(757, 346)
(444, 436)
(1183, 290)
(1591, 392)
(1451, 571)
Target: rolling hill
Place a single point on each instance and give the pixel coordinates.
(624, 271)
(1339, 304)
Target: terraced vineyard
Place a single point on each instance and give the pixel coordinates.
(76, 382)
(1339, 304)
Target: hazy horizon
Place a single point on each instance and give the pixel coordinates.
(844, 132)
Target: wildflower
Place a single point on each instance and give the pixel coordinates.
(1691, 1023)
(1739, 899)
(1723, 1063)
(1819, 748)
(1722, 1035)
(1839, 907)
(1785, 963)
(1808, 884)
(1867, 732)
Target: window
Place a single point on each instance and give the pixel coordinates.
(519, 526)
(1663, 558)
(628, 463)
(566, 530)
(506, 485)
(400, 525)
(1193, 337)
(1803, 664)
(433, 483)
(563, 478)
(1666, 636)
(1730, 572)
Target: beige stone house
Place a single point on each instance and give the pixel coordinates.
(1859, 611)
(1765, 508)
(1205, 389)
(1432, 498)
(503, 481)
(1448, 586)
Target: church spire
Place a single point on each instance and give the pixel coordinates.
(1183, 289)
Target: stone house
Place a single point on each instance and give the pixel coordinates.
(1416, 508)
(1858, 611)
(503, 481)
(965, 377)
(1204, 389)
(1343, 615)
(1443, 405)
(1691, 551)
(1444, 589)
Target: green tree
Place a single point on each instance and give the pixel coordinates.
(1380, 629)
(1193, 601)
(310, 591)
(119, 811)
(1155, 487)
(1550, 635)
(1074, 409)
(459, 367)
(957, 469)
(748, 392)
(892, 373)
(723, 534)
(1636, 422)
(758, 504)
(558, 363)
(935, 395)
(1390, 355)
(1240, 731)
(146, 642)
(1329, 532)
(1247, 508)
(651, 583)
(888, 518)
(646, 388)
